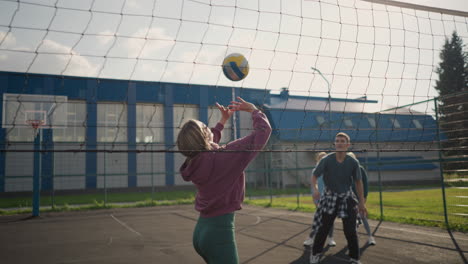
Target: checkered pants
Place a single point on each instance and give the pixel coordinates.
(327, 205)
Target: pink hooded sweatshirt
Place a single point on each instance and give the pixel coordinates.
(219, 175)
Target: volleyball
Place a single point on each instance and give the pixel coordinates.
(235, 67)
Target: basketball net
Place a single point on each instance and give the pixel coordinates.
(36, 125)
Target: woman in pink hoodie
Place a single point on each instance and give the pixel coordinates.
(218, 173)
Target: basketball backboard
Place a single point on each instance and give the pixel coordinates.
(19, 110)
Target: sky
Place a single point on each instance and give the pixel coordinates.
(383, 52)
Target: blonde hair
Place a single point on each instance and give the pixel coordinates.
(320, 155)
(192, 139)
(342, 134)
(352, 155)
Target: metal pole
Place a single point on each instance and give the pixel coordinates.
(297, 180)
(440, 163)
(152, 174)
(378, 165)
(37, 173)
(105, 183)
(234, 116)
(269, 183)
(329, 103)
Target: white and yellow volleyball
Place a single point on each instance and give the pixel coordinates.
(235, 67)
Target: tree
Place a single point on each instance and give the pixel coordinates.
(453, 100)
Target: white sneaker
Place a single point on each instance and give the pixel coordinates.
(371, 241)
(309, 241)
(314, 259)
(331, 242)
(354, 261)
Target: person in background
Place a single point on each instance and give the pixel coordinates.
(339, 172)
(371, 239)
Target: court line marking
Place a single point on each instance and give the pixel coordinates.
(125, 225)
(422, 233)
(387, 227)
(258, 220)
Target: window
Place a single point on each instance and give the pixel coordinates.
(20, 133)
(112, 122)
(348, 122)
(150, 123)
(395, 123)
(183, 113)
(372, 122)
(213, 118)
(417, 124)
(320, 120)
(76, 121)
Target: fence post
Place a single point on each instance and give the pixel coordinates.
(37, 172)
(378, 165)
(441, 169)
(269, 183)
(105, 176)
(152, 172)
(297, 179)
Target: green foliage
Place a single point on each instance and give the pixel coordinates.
(453, 67)
(453, 100)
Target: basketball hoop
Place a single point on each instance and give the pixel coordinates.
(35, 124)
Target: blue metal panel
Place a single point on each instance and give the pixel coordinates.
(169, 132)
(131, 135)
(91, 134)
(255, 96)
(203, 112)
(36, 84)
(112, 90)
(73, 87)
(16, 84)
(149, 92)
(184, 93)
(294, 125)
(219, 94)
(47, 162)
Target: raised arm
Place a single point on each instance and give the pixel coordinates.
(259, 136)
(245, 149)
(226, 113)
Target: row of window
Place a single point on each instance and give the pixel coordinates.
(372, 123)
(112, 123)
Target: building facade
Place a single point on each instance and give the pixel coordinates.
(121, 134)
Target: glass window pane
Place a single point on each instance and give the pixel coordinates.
(395, 123)
(150, 123)
(417, 124)
(214, 115)
(112, 122)
(183, 113)
(371, 121)
(74, 131)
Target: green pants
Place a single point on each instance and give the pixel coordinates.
(214, 239)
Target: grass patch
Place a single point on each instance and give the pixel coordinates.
(421, 207)
(98, 205)
(401, 204)
(96, 198)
